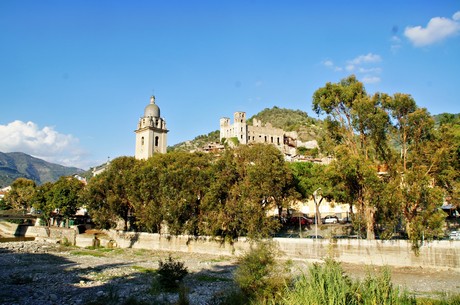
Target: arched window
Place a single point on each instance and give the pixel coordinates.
(156, 141)
(142, 141)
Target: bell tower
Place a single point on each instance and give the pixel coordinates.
(151, 132)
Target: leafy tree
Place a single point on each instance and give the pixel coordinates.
(312, 181)
(183, 182)
(4, 205)
(426, 170)
(246, 182)
(356, 128)
(95, 198)
(220, 214)
(108, 194)
(43, 202)
(20, 195)
(66, 196)
(145, 196)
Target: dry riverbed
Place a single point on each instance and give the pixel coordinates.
(37, 273)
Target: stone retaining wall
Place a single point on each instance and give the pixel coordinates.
(437, 254)
(56, 233)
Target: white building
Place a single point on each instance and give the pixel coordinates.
(151, 132)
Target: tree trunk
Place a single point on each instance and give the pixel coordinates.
(369, 217)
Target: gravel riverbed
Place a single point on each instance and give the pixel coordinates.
(39, 272)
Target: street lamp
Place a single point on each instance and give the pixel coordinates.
(316, 211)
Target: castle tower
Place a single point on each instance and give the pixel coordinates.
(151, 132)
(225, 128)
(240, 127)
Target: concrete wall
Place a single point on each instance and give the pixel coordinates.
(438, 254)
(55, 233)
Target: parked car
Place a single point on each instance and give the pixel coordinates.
(454, 235)
(300, 219)
(314, 236)
(346, 219)
(330, 219)
(286, 235)
(340, 236)
(356, 236)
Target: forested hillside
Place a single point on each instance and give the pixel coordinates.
(20, 165)
(307, 127)
(197, 142)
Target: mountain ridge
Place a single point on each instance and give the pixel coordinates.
(15, 165)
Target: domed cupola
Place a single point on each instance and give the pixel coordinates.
(152, 110)
(151, 133)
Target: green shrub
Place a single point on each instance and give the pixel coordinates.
(259, 276)
(328, 284)
(378, 289)
(183, 296)
(324, 284)
(171, 273)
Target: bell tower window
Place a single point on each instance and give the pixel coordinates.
(156, 141)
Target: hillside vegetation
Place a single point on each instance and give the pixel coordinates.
(197, 142)
(20, 165)
(287, 119)
(307, 127)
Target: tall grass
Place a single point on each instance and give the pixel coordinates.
(324, 284)
(327, 284)
(259, 276)
(261, 279)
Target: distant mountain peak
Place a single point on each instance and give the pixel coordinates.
(15, 165)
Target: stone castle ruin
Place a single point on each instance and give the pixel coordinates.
(240, 131)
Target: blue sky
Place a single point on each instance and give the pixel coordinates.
(75, 76)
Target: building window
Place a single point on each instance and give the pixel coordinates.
(271, 139)
(278, 140)
(142, 141)
(156, 141)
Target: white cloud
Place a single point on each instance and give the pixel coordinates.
(395, 39)
(370, 70)
(370, 79)
(395, 48)
(437, 29)
(330, 64)
(366, 65)
(45, 143)
(456, 16)
(350, 68)
(363, 59)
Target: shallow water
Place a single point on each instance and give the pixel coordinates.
(15, 238)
